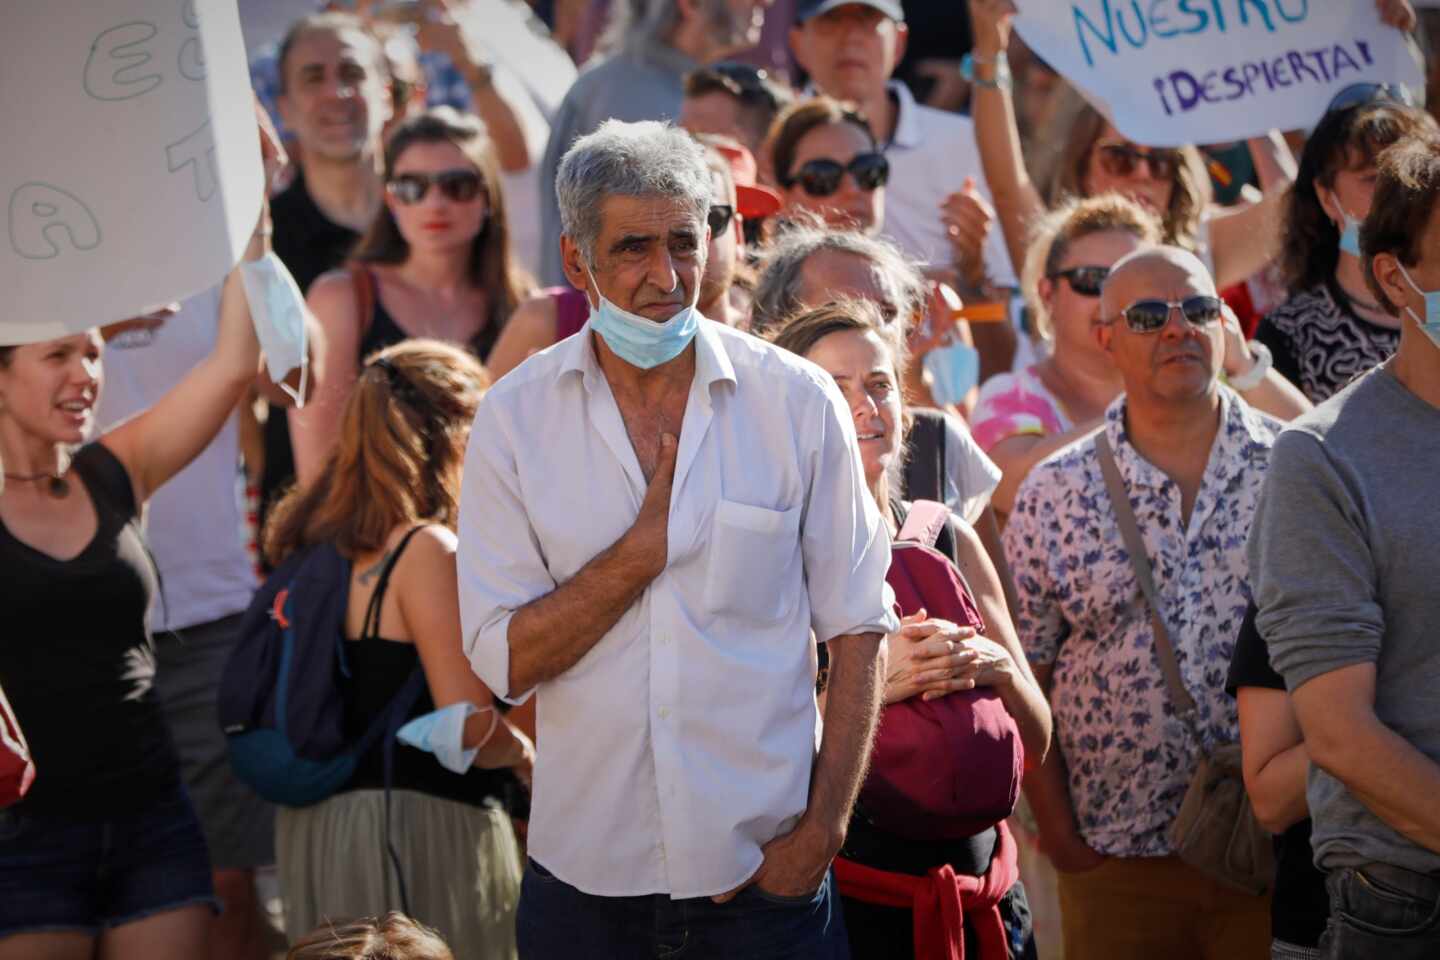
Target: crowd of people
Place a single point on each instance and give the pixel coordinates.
(778, 512)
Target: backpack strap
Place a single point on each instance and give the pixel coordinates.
(923, 522)
(370, 628)
(925, 456)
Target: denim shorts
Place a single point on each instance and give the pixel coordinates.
(64, 873)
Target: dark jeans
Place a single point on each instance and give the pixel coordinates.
(558, 922)
(1380, 912)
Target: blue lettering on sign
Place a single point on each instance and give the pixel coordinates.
(1117, 25)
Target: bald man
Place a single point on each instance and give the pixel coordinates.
(1191, 455)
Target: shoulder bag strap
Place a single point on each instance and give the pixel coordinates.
(923, 522)
(1130, 532)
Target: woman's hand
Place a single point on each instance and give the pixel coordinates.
(985, 664)
(990, 21)
(1238, 359)
(922, 656)
(1397, 13)
(968, 220)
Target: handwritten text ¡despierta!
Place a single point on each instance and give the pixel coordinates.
(1181, 91)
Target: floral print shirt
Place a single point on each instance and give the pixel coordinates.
(1129, 756)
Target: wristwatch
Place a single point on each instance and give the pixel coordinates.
(1250, 379)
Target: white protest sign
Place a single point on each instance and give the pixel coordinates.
(1172, 72)
(131, 171)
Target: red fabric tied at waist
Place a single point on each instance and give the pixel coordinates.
(940, 900)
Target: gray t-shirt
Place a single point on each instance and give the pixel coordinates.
(1342, 556)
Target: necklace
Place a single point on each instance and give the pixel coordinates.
(59, 486)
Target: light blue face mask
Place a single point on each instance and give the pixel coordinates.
(442, 732)
(1350, 236)
(639, 341)
(1431, 324)
(278, 311)
(954, 368)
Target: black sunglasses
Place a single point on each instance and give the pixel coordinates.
(1150, 316)
(461, 186)
(738, 79)
(1085, 281)
(719, 218)
(821, 177)
(1122, 160)
(1361, 93)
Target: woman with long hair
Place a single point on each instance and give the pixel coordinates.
(435, 263)
(1173, 183)
(1330, 330)
(386, 498)
(927, 658)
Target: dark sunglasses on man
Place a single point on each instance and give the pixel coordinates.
(1150, 316)
(719, 218)
(1086, 281)
(821, 177)
(460, 186)
(1122, 160)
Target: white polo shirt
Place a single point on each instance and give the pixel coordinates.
(684, 739)
(931, 154)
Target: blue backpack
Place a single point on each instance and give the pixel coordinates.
(282, 704)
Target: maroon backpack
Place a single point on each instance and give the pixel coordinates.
(951, 767)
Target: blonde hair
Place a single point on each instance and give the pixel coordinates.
(391, 937)
(1053, 234)
(397, 459)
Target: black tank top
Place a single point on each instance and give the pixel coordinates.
(378, 669)
(382, 331)
(77, 661)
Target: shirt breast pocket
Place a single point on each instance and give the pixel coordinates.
(754, 553)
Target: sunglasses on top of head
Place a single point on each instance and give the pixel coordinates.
(1122, 160)
(461, 186)
(1358, 94)
(739, 79)
(821, 177)
(1150, 316)
(1085, 281)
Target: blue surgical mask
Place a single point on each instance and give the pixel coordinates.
(1350, 236)
(954, 368)
(1431, 324)
(639, 341)
(278, 311)
(442, 732)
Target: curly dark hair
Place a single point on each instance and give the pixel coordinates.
(1349, 139)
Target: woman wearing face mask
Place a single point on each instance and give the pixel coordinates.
(105, 856)
(1173, 183)
(435, 263)
(927, 658)
(1331, 330)
(826, 161)
(1023, 417)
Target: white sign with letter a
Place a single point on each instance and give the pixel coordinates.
(131, 174)
(1172, 72)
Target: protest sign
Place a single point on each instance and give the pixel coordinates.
(1172, 72)
(131, 174)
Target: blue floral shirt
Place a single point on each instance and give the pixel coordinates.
(1129, 756)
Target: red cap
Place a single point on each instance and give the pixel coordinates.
(754, 201)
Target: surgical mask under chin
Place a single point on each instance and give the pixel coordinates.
(1350, 236)
(1431, 324)
(639, 341)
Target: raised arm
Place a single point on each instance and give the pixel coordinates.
(1017, 200)
(314, 427)
(1244, 241)
(157, 444)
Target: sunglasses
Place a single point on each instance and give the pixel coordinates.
(1358, 94)
(737, 79)
(821, 177)
(719, 218)
(1085, 281)
(461, 186)
(1122, 160)
(1150, 316)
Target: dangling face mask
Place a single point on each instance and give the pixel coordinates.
(1350, 236)
(637, 340)
(1431, 324)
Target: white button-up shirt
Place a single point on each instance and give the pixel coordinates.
(684, 739)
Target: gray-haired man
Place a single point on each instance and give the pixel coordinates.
(655, 515)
